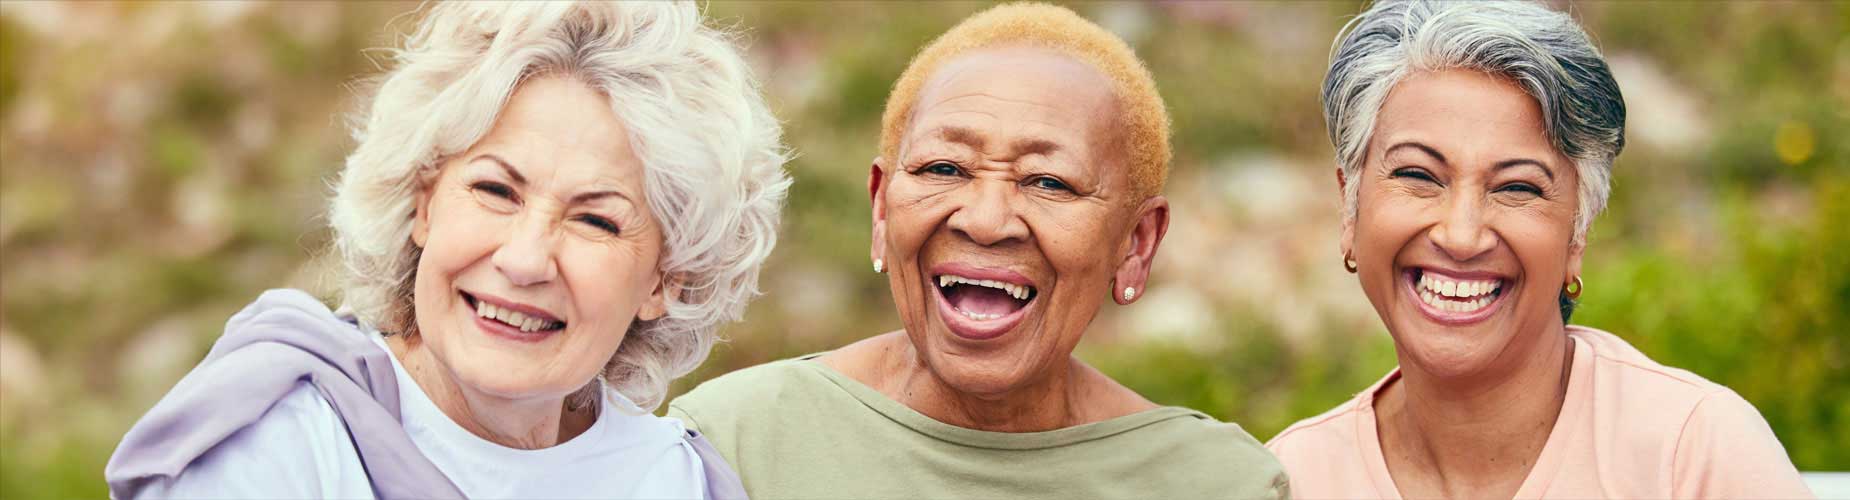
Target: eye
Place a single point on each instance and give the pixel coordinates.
(494, 188)
(941, 168)
(600, 223)
(1049, 183)
(495, 195)
(1415, 173)
(1520, 187)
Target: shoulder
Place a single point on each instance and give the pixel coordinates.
(1230, 443)
(1617, 357)
(754, 387)
(1323, 454)
(282, 305)
(302, 426)
(1240, 466)
(300, 447)
(1648, 398)
(1715, 442)
(1725, 449)
(1317, 436)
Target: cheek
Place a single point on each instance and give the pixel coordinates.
(607, 282)
(1384, 223)
(911, 221)
(1540, 241)
(460, 236)
(1079, 246)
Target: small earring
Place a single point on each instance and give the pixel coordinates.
(1130, 292)
(879, 266)
(1349, 263)
(1573, 289)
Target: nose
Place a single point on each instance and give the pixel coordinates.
(527, 257)
(1462, 232)
(988, 217)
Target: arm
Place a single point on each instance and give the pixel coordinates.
(300, 448)
(1727, 451)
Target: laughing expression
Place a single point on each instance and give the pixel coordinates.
(539, 248)
(1004, 216)
(1464, 223)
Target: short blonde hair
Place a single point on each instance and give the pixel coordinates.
(1144, 123)
(712, 157)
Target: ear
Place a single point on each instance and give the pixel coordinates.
(1574, 252)
(656, 305)
(1140, 251)
(1347, 243)
(876, 187)
(420, 212)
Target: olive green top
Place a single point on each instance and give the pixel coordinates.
(798, 429)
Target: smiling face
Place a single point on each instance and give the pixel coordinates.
(1007, 215)
(538, 247)
(1464, 222)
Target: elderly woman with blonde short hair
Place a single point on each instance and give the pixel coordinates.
(551, 210)
(1474, 144)
(1018, 189)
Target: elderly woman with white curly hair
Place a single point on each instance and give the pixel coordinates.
(551, 209)
(1474, 145)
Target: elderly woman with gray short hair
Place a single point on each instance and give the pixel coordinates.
(551, 210)
(1474, 143)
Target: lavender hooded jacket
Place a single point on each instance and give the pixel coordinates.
(287, 336)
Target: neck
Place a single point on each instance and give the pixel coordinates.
(1477, 434)
(1045, 403)
(514, 423)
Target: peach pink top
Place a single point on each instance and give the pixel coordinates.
(1629, 428)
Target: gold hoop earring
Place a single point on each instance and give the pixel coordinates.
(1573, 289)
(1350, 264)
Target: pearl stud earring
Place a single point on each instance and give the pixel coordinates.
(1129, 293)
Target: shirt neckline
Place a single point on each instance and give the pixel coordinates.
(419, 411)
(922, 424)
(1546, 463)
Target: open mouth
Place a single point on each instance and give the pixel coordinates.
(1455, 296)
(981, 299)
(522, 319)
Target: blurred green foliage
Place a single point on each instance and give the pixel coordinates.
(165, 162)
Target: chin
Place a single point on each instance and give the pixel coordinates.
(1449, 353)
(991, 371)
(491, 377)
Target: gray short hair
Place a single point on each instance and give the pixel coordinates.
(711, 150)
(1543, 51)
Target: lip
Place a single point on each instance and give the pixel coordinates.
(1452, 318)
(971, 329)
(503, 330)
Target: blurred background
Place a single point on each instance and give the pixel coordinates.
(163, 163)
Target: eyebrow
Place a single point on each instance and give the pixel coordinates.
(1021, 147)
(1510, 163)
(521, 181)
(1515, 162)
(962, 136)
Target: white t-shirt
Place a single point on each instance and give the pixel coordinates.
(300, 448)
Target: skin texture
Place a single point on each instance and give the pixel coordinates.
(543, 240)
(1020, 173)
(1442, 189)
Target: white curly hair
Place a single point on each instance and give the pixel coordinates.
(711, 150)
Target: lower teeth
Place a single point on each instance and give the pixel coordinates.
(979, 316)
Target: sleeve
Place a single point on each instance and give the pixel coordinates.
(300, 448)
(1726, 450)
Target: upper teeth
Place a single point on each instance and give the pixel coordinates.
(1457, 288)
(1014, 290)
(524, 322)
